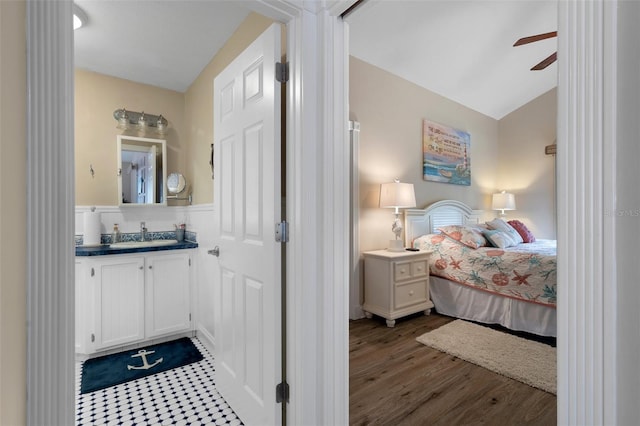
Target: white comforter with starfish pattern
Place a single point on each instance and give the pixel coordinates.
(524, 272)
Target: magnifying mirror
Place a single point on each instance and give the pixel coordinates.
(176, 183)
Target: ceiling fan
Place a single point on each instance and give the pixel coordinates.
(546, 62)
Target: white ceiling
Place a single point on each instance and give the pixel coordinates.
(164, 43)
(460, 49)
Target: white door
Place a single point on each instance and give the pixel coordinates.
(247, 205)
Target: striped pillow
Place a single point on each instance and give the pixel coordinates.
(527, 236)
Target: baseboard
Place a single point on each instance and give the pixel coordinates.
(356, 313)
(136, 345)
(206, 339)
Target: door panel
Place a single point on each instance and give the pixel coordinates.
(226, 206)
(253, 217)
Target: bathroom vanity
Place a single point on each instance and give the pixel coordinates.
(131, 295)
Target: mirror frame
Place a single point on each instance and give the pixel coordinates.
(122, 140)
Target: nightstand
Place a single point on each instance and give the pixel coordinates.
(396, 284)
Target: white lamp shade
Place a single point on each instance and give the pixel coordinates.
(503, 201)
(397, 194)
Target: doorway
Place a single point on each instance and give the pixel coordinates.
(255, 37)
(390, 107)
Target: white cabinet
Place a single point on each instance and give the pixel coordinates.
(126, 299)
(118, 316)
(167, 294)
(396, 284)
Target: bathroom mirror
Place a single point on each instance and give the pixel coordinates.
(141, 170)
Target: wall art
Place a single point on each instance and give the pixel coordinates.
(446, 154)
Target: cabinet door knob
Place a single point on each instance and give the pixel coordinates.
(150, 267)
(141, 267)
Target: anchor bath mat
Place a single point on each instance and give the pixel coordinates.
(110, 370)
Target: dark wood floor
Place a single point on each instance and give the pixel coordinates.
(395, 380)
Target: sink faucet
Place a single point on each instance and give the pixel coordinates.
(143, 232)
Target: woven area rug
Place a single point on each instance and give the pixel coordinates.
(523, 360)
(110, 370)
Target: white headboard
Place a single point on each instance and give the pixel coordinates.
(419, 222)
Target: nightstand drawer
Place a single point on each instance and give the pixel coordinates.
(410, 270)
(410, 294)
(419, 268)
(402, 271)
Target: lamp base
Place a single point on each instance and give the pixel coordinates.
(395, 245)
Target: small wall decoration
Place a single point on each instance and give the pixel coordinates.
(446, 154)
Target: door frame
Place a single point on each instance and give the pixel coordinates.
(318, 172)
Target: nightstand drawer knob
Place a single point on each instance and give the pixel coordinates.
(411, 293)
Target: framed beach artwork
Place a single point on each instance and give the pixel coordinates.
(445, 154)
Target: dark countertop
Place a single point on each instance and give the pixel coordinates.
(105, 249)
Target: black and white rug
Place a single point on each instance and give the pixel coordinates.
(185, 395)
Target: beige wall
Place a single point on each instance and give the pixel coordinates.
(96, 97)
(390, 111)
(523, 167)
(190, 117)
(13, 332)
(199, 105)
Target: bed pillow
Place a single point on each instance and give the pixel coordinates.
(499, 239)
(500, 225)
(466, 235)
(527, 236)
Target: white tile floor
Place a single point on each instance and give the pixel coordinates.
(183, 396)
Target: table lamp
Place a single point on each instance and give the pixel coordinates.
(503, 201)
(398, 196)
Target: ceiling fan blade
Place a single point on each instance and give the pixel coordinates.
(531, 39)
(545, 63)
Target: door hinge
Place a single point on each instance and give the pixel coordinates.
(93, 337)
(282, 72)
(93, 272)
(282, 232)
(189, 317)
(189, 261)
(282, 392)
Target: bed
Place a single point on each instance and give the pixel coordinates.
(511, 286)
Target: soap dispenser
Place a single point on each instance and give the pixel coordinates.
(115, 235)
